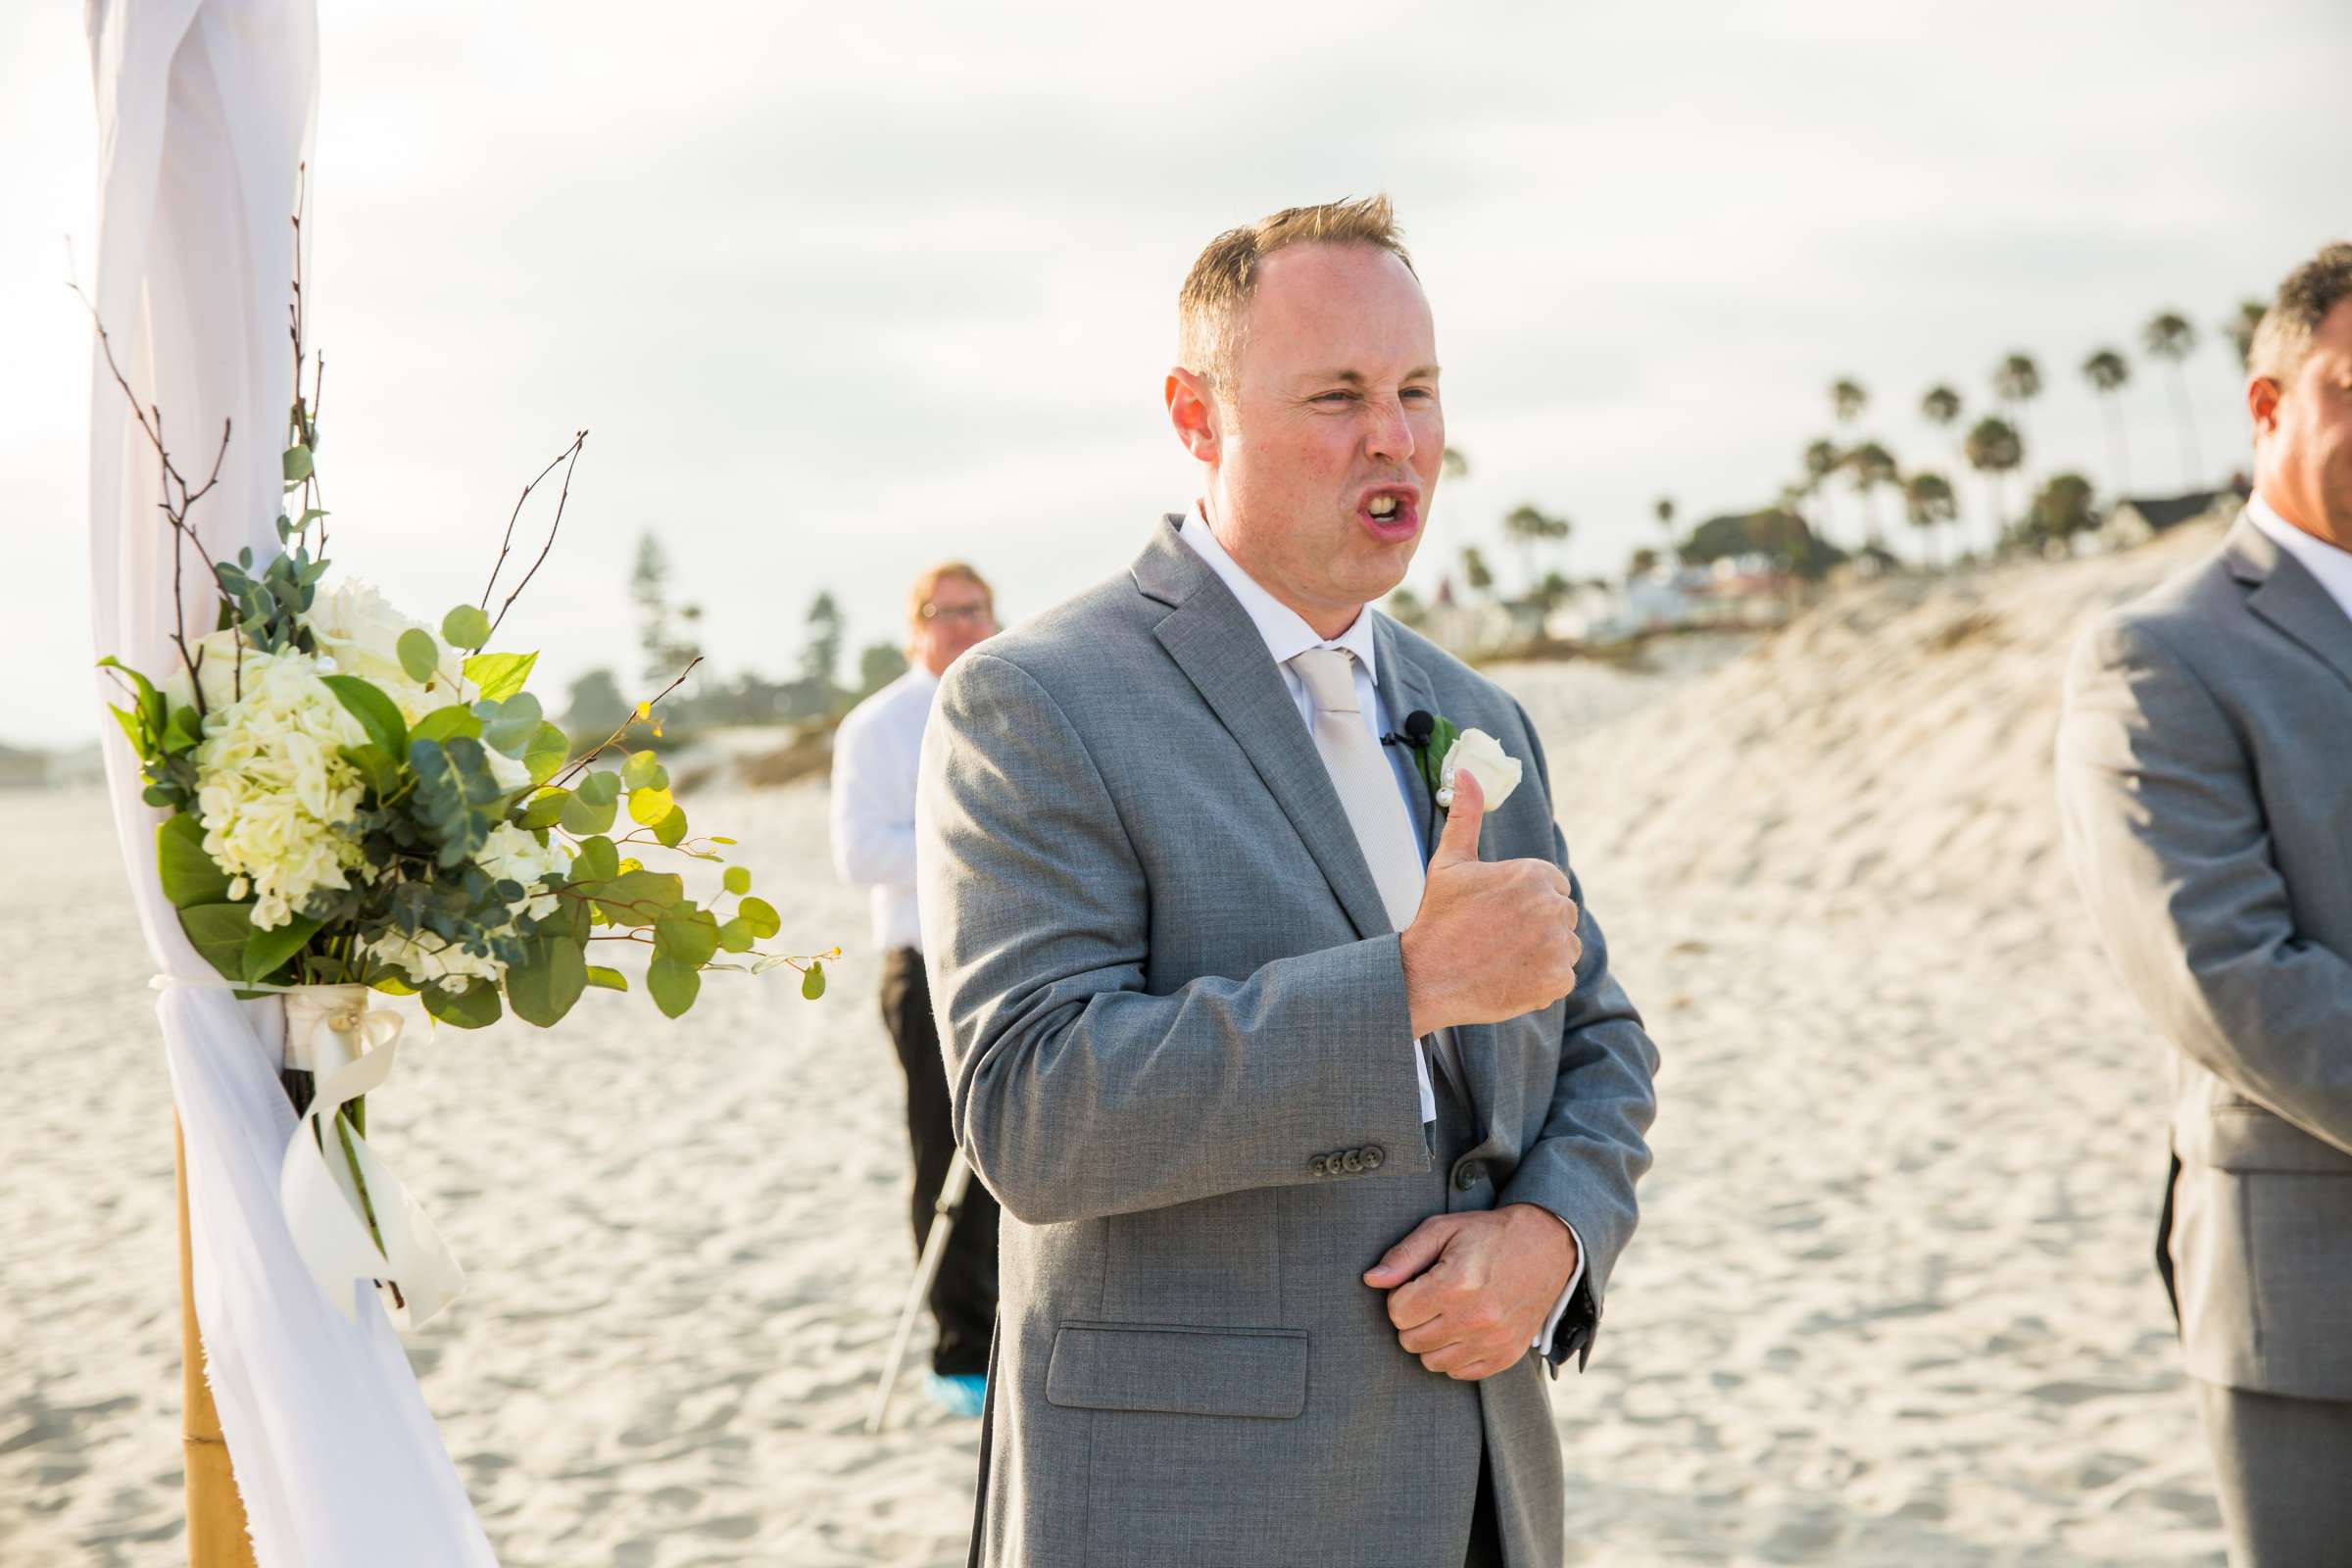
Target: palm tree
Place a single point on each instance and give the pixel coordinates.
(1475, 570)
(1664, 508)
(1940, 406)
(1930, 503)
(2240, 326)
(1869, 466)
(1532, 528)
(2017, 381)
(1994, 447)
(2106, 371)
(1822, 458)
(2169, 336)
(1453, 464)
(1847, 400)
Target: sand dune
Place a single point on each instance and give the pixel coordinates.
(1890, 1303)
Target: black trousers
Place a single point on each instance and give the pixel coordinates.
(963, 1295)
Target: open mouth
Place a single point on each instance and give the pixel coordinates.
(1390, 513)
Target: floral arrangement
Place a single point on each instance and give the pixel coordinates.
(357, 798)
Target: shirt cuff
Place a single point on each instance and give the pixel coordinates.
(1559, 1308)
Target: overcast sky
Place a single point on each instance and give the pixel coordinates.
(842, 290)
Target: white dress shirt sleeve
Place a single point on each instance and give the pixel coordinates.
(1559, 1308)
(873, 836)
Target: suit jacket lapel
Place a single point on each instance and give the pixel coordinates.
(1216, 645)
(2290, 598)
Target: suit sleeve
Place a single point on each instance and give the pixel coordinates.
(1077, 1094)
(1593, 1147)
(2165, 833)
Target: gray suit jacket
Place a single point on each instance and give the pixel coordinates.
(2205, 781)
(1175, 1021)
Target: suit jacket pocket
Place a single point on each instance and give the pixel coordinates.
(2242, 1137)
(1179, 1369)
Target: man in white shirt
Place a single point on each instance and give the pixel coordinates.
(874, 756)
(2205, 778)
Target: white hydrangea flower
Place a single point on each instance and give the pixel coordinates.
(272, 792)
(426, 958)
(359, 631)
(510, 854)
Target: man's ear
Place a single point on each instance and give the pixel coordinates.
(1192, 410)
(2262, 402)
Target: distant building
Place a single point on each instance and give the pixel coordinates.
(2136, 519)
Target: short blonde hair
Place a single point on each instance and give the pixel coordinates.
(926, 583)
(1216, 292)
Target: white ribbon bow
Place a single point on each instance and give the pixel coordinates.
(328, 1187)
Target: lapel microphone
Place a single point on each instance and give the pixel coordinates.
(1419, 727)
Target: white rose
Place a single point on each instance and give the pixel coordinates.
(1497, 771)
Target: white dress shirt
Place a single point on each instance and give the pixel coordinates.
(1288, 635)
(875, 754)
(2332, 567)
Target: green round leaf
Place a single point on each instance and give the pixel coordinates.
(736, 936)
(645, 771)
(511, 726)
(542, 988)
(673, 985)
(466, 627)
(473, 1007)
(671, 832)
(760, 916)
(689, 936)
(738, 879)
(648, 806)
(549, 750)
(812, 984)
(188, 874)
(582, 815)
(600, 787)
(604, 979)
(596, 860)
(419, 654)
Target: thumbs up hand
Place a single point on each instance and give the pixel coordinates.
(1490, 941)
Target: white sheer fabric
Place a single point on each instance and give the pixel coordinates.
(204, 111)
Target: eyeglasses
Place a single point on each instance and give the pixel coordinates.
(971, 613)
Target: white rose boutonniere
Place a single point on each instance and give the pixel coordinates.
(1497, 771)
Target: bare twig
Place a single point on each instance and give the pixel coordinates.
(597, 751)
(507, 543)
(571, 461)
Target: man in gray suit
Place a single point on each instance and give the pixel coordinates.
(2205, 776)
(1315, 1125)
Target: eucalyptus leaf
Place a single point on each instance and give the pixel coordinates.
(812, 984)
(466, 627)
(549, 750)
(760, 916)
(419, 654)
(188, 874)
(510, 726)
(738, 879)
(499, 677)
(296, 465)
(474, 1008)
(600, 787)
(376, 713)
(455, 796)
(639, 898)
(544, 986)
(648, 806)
(544, 810)
(673, 985)
(736, 936)
(644, 771)
(442, 724)
(582, 817)
(604, 979)
(688, 935)
(671, 829)
(596, 860)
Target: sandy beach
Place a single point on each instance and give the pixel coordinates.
(1890, 1303)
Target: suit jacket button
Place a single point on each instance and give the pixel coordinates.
(1373, 1157)
(1316, 1167)
(1466, 1175)
(1352, 1163)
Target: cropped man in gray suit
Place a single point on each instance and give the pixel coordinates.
(1315, 1123)
(2205, 775)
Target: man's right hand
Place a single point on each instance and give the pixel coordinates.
(1490, 942)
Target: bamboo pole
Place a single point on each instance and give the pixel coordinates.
(216, 1534)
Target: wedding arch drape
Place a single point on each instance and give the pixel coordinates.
(205, 109)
